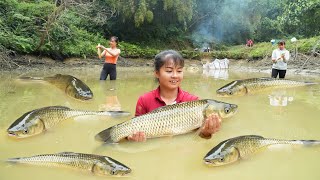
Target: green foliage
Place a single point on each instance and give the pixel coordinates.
(190, 54)
(145, 26)
(134, 51)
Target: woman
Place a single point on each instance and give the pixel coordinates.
(169, 72)
(280, 56)
(111, 56)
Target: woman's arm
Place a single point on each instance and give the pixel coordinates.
(110, 52)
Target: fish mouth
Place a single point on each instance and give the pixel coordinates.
(87, 97)
(208, 162)
(12, 134)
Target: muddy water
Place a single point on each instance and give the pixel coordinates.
(286, 114)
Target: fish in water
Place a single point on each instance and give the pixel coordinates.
(96, 164)
(168, 120)
(39, 120)
(72, 86)
(241, 147)
(249, 86)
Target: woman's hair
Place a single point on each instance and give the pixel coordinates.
(281, 42)
(161, 59)
(115, 38)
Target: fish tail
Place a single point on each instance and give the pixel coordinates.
(311, 83)
(115, 113)
(105, 136)
(13, 160)
(310, 142)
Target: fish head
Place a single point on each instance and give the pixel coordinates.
(26, 126)
(77, 89)
(220, 155)
(110, 166)
(235, 88)
(225, 110)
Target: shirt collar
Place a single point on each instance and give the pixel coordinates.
(178, 99)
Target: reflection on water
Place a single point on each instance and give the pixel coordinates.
(280, 98)
(111, 103)
(216, 73)
(178, 157)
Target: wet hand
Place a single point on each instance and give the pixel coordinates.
(211, 125)
(138, 136)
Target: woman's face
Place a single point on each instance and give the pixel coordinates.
(170, 75)
(281, 46)
(112, 42)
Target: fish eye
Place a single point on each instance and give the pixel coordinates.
(227, 110)
(25, 131)
(221, 159)
(113, 172)
(230, 92)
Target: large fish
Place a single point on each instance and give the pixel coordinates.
(37, 121)
(234, 149)
(168, 120)
(96, 164)
(72, 86)
(250, 86)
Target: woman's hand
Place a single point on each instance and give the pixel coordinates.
(211, 125)
(138, 136)
(100, 46)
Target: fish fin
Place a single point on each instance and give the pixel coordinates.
(105, 136)
(117, 113)
(66, 153)
(56, 107)
(196, 134)
(253, 136)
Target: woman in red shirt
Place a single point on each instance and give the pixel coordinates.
(169, 72)
(111, 56)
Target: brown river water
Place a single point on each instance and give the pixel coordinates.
(283, 114)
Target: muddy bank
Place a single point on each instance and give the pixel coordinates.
(302, 64)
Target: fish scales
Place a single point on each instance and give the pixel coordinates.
(247, 86)
(90, 162)
(38, 120)
(72, 86)
(163, 126)
(233, 149)
(168, 120)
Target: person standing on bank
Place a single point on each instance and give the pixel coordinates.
(111, 55)
(280, 56)
(168, 69)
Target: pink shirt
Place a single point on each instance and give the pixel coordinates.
(152, 100)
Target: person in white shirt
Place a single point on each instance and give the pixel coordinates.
(280, 57)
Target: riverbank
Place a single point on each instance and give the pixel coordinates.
(302, 64)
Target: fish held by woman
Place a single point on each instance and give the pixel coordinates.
(251, 86)
(241, 147)
(72, 86)
(39, 120)
(168, 120)
(96, 164)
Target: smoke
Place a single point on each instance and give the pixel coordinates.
(228, 22)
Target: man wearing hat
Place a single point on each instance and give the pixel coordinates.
(280, 56)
